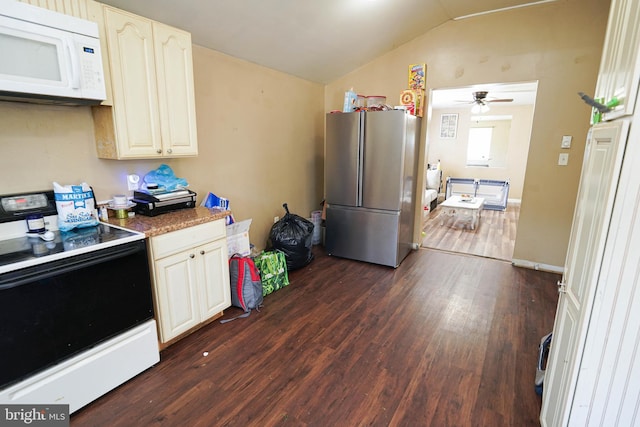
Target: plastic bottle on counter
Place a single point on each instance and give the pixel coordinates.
(104, 214)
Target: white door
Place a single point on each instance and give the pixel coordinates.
(598, 183)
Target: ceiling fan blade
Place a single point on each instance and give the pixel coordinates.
(500, 100)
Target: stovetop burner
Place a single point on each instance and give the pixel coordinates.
(18, 250)
(32, 250)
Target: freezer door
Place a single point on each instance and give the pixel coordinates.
(342, 158)
(388, 173)
(365, 235)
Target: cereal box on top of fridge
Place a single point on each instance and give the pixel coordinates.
(413, 99)
(417, 76)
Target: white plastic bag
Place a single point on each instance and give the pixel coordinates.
(75, 205)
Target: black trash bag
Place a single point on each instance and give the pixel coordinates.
(292, 235)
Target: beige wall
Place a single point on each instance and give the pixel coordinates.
(558, 44)
(260, 143)
(452, 152)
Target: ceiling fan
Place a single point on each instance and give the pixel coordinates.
(480, 103)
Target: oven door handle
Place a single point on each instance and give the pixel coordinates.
(18, 278)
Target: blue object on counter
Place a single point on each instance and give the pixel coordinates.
(213, 201)
(164, 177)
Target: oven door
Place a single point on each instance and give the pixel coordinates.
(52, 311)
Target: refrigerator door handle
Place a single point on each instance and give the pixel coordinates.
(361, 136)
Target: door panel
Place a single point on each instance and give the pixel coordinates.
(215, 291)
(177, 106)
(598, 183)
(131, 55)
(342, 158)
(176, 282)
(364, 235)
(384, 150)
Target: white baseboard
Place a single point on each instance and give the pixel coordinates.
(537, 266)
(514, 201)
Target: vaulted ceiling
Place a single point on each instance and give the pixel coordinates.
(317, 40)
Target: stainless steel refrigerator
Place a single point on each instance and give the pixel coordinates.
(371, 167)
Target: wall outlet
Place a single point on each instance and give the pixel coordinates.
(563, 159)
(566, 141)
(133, 182)
(276, 219)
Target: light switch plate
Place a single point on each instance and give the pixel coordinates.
(563, 159)
(566, 141)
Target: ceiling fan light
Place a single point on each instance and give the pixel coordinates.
(478, 108)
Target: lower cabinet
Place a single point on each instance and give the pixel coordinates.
(191, 277)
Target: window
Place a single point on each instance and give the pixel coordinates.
(479, 146)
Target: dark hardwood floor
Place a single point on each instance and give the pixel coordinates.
(494, 237)
(443, 340)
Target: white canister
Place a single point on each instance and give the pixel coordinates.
(119, 200)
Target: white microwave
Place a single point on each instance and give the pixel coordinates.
(48, 57)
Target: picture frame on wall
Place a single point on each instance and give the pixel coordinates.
(448, 126)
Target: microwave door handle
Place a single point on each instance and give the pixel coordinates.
(75, 67)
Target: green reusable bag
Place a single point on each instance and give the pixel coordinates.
(273, 271)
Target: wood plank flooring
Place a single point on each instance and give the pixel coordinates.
(443, 340)
(494, 238)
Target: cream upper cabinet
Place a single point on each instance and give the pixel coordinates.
(153, 113)
(176, 98)
(133, 81)
(620, 65)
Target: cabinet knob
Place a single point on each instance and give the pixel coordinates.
(169, 151)
(159, 151)
(201, 252)
(192, 256)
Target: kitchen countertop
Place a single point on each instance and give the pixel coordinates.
(171, 221)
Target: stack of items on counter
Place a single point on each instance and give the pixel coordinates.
(413, 97)
(162, 192)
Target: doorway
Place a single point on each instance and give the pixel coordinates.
(479, 132)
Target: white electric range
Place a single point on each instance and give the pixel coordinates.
(76, 311)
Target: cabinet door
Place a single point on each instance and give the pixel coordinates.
(174, 71)
(135, 99)
(214, 291)
(177, 300)
(620, 67)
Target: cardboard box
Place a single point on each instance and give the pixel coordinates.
(413, 99)
(238, 238)
(417, 76)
